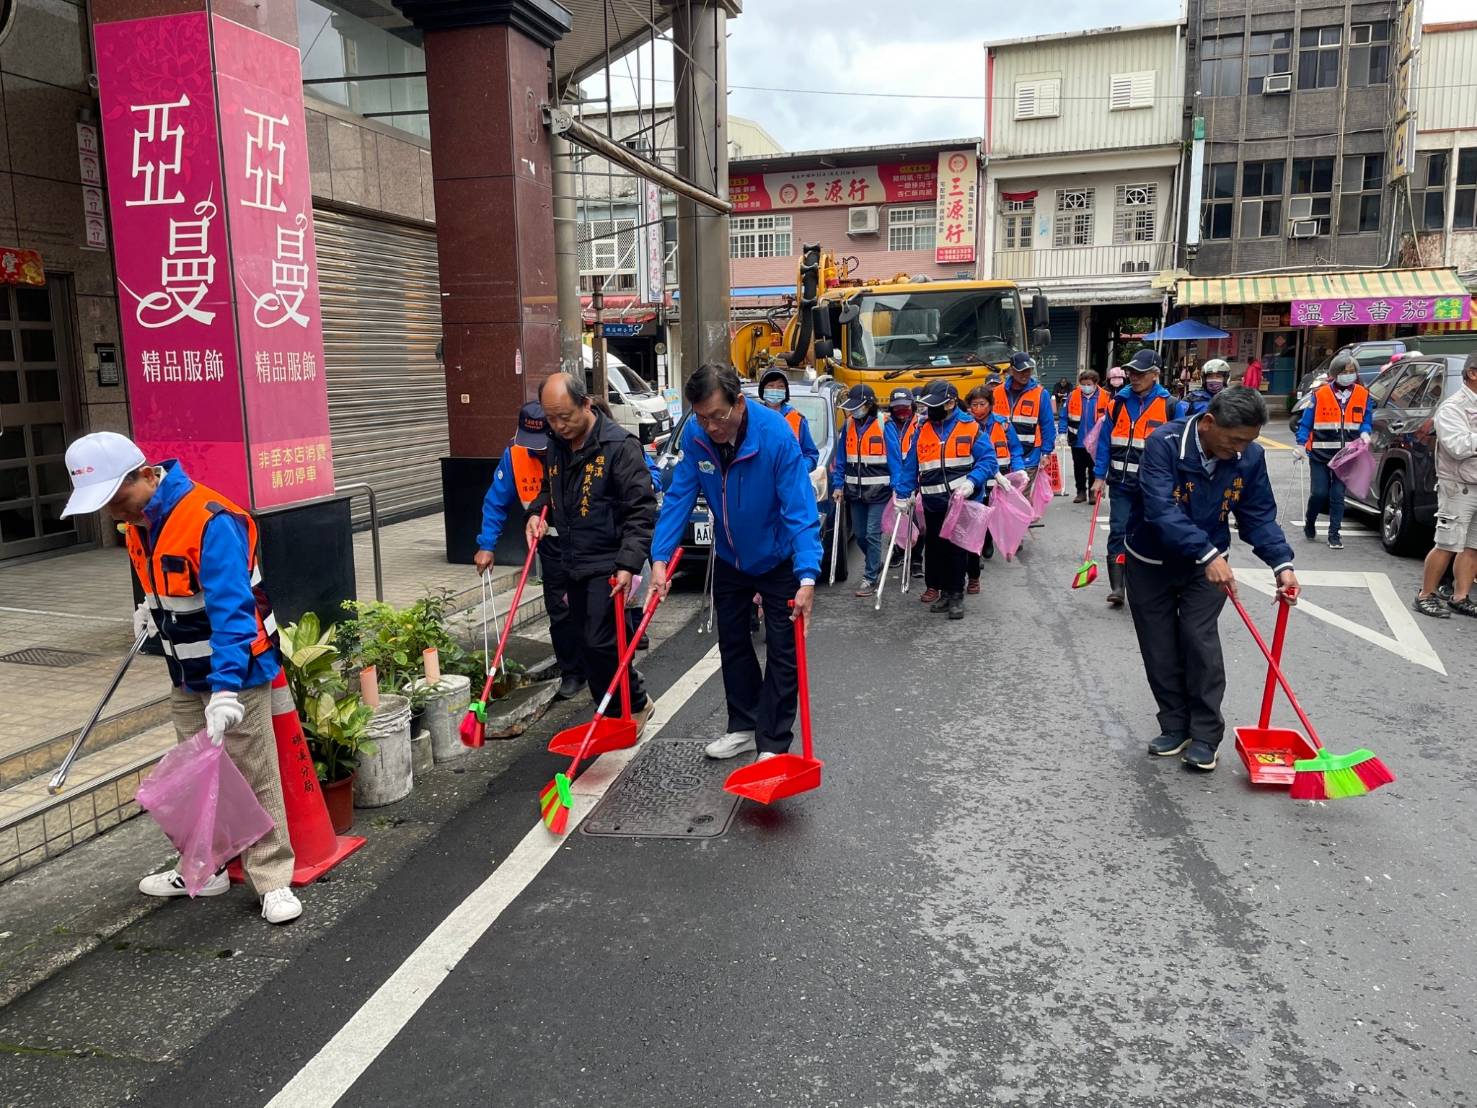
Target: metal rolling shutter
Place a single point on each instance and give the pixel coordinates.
(381, 297)
(1059, 359)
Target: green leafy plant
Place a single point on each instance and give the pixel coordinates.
(334, 720)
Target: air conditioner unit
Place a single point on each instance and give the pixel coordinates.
(1277, 83)
(1302, 229)
(862, 221)
(1300, 207)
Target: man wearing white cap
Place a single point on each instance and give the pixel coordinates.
(195, 556)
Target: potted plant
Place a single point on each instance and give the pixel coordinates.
(335, 721)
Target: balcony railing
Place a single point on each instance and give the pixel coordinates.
(1130, 259)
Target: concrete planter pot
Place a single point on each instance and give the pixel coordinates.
(386, 775)
(443, 715)
(421, 758)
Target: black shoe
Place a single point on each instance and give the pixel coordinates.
(1463, 607)
(956, 606)
(1201, 756)
(1335, 543)
(1444, 592)
(1168, 744)
(942, 603)
(1309, 531)
(570, 685)
(1116, 582)
(989, 551)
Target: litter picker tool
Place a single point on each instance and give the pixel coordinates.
(474, 723)
(1324, 776)
(835, 537)
(897, 522)
(59, 779)
(706, 626)
(1087, 571)
(784, 774)
(613, 732)
(556, 800)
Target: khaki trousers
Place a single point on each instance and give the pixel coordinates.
(253, 747)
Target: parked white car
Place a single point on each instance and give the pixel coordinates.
(636, 407)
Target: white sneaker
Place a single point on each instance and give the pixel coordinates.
(730, 745)
(281, 906)
(170, 883)
(768, 754)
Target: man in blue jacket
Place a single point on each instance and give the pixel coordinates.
(744, 460)
(1135, 413)
(1194, 475)
(1024, 401)
(950, 456)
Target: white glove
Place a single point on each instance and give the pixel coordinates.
(966, 490)
(1364, 437)
(224, 712)
(143, 619)
(899, 506)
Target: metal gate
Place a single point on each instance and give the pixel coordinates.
(1059, 359)
(381, 297)
(35, 426)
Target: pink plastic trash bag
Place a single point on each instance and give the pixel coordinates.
(1017, 479)
(1089, 440)
(1010, 518)
(910, 531)
(199, 799)
(1354, 466)
(1041, 494)
(965, 524)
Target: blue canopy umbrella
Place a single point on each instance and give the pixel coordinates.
(1185, 331)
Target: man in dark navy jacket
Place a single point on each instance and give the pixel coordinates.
(1193, 476)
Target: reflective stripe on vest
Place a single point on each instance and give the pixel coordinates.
(1129, 436)
(866, 456)
(1025, 414)
(793, 418)
(945, 466)
(528, 474)
(170, 577)
(1335, 425)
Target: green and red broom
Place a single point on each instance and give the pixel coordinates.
(1324, 776)
(1087, 572)
(556, 799)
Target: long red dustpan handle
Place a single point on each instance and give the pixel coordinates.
(1277, 672)
(512, 610)
(802, 671)
(1097, 502)
(652, 604)
(1279, 635)
(620, 648)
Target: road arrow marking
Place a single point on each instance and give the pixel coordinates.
(1407, 642)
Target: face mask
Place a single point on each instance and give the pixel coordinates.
(774, 396)
(1346, 379)
(938, 415)
(902, 415)
(1088, 389)
(1214, 385)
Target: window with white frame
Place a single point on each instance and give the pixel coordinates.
(759, 236)
(910, 228)
(1016, 220)
(1131, 90)
(1038, 99)
(1369, 54)
(607, 246)
(1133, 214)
(1073, 217)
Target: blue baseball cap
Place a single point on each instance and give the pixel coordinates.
(1144, 361)
(935, 394)
(533, 428)
(900, 398)
(858, 397)
(1021, 361)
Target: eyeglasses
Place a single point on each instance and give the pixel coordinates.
(714, 421)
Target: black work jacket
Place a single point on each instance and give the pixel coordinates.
(601, 500)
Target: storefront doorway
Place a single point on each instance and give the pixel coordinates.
(36, 421)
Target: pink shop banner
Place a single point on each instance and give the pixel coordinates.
(1354, 311)
(168, 207)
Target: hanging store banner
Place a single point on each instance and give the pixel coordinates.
(1354, 311)
(274, 265)
(958, 184)
(162, 156)
(651, 249)
(889, 183)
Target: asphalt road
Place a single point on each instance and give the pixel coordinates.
(995, 898)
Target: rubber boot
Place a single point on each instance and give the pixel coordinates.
(1115, 580)
(956, 605)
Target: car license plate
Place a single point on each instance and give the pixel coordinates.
(702, 534)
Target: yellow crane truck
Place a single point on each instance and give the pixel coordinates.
(899, 331)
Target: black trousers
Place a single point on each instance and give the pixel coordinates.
(1082, 463)
(944, 563)
(1176, 615)
(763, 704)
(563, 632)
(592, 612)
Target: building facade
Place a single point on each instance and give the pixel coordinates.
(1084, 163)
(1444, 175)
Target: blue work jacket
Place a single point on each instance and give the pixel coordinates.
(982, 457)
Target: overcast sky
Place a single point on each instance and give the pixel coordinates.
(902, 50)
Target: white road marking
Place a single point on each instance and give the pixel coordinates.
(68, 615)
(333, 1070)
(1357, 531)
(1408, 641)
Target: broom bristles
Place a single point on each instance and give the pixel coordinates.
(1338, 777)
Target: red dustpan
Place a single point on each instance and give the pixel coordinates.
(1270, 752)
(784, 774)
(611, 732)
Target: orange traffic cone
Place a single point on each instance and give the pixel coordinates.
(316, 849)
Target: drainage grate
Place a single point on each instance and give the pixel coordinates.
(671, 791)
(45, 656)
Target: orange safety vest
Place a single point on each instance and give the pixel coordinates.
(944, 465)
(1335, 425)
(1002, 444)
(793, 418)
(528, 474)
(1129, 436)
(910, 433)
(866, 457)
(1025, 414)
(170, 577)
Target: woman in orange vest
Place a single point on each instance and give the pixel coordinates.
(774, 390)
(194, 554)
(1341, 412)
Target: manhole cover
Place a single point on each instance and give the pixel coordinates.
(671, 791)
(44, 656)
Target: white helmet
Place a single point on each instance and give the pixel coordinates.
(1216, 366)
